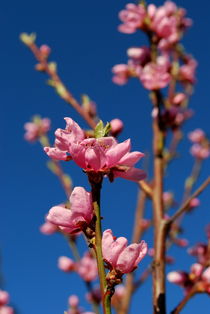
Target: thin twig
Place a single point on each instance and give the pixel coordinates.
(137, 233)
(66, 94)
(185, 206)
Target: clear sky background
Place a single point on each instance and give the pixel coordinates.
(86, 44)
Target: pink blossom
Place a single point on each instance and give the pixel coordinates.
(94, 295)
(140, 55)
(182, 242)
(195, 202)
(132, 18)
(187, 71)
(87, 268)
(199, 151)
(154, 76)
(120, 256)
(196, 270)
(145, 223)
(168, 198)
(73, 301)
(121, 74)
(6, 310)
(175, 116)
(118, 295)
(81, 211)
(4, 297)
(206, 275)
(179, 98)
(64, 139)
(116, 126)
(36, 129)
(196, 136)
(45, 51)
(104, 155)
(66, 264)
(168, 22)
(177, 277)
(199, 251)
(48, 228)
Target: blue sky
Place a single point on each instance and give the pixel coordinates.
(86, 44)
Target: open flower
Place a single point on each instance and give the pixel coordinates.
(81, 212)
(87, 267)
(132, 18)
(119, 256)
(36, 128)
(104, 155)
(155, 76)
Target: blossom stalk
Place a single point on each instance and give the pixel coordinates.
(96, 191)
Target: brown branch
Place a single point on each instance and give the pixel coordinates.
(66, 95)
(184, 301)
(186, 204)
(146, 188)
(137, 233)
(159, 304)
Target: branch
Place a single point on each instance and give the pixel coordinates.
(137, 233)
(185, 206)
(60, 87)
(146, 188)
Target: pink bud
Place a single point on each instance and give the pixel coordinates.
(116, 126)
(181, 242)
(206, 275)
(73, 301)
(179, 98)
(196, 136)
(45, 50)
(65, 263)
(87, 267)
(196, 269)
(6, 310)
(176, 277)
(195, 202)
(4, 297)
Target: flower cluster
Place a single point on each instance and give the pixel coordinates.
(120, 257)
(86, 267)
(168, 21)
(201, 144)
(4, 300)
(103, 155)
(198, 275)
(164, 26)
(37, 128)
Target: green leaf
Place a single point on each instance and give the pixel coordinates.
(101, 130)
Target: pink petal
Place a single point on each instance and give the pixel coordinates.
(112, 249)
(60, 216)
(56, 153)
(142, 252)
(130, 159)
(117, 152)
(127, 259)
(132, 174)
(74, 128)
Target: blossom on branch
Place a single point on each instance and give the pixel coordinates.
(74, 219)
(103, 155)
(119, 256)
(38, 127)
